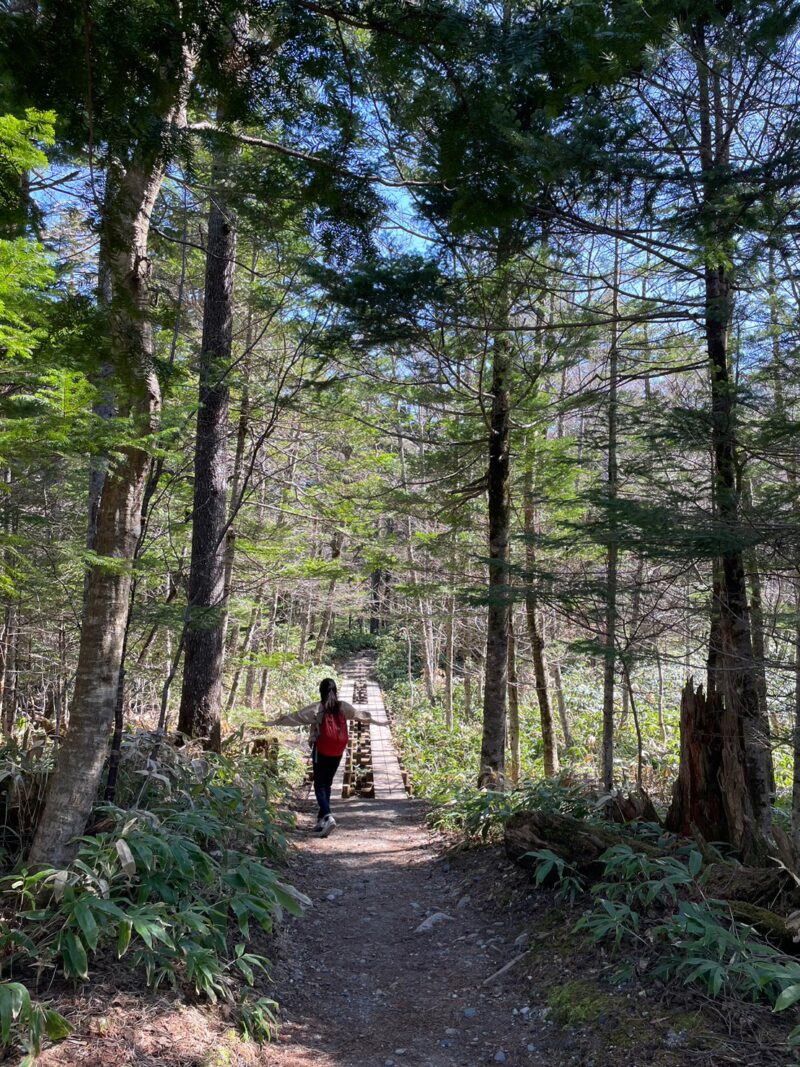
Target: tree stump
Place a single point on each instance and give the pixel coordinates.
(697, 799)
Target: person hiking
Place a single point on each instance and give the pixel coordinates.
(328, 737)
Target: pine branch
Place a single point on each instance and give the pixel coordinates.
(307, 157)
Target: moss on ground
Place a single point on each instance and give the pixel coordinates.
(583, 1002)
(225, 1054)
(578, 1002)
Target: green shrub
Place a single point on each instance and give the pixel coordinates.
(348, 642)
(697, 941)
(442, 762)
(150, 885)
(292, 684)
(391, 665)
(549, 867)
(23, 1022)
(483, 812)
(178, 881)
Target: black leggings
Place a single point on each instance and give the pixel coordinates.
(325, 768)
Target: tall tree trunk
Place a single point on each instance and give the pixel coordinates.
(242, 430)
(467, 688)
(513, 704)
(269, 648)
(660, 669)
(739, 684)
(796, 730)
(756, 617)
(306, 628)
(714, 676)
(337, 543)
(610, 636)
(10, 623)
(10, 671)
(549, 743)
(558, 686)
(115, 754)
(449, 653)
(126, 225)
(792, 479)
(426, 623)
(244, 653)
(429, 656)
(201, 696)
(495, 693)
(626, 657)
(104, 406)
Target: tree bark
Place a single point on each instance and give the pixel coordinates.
(449, 653)
(753, 575)
(751, 828)
(337, 543)
(549, 743)
(429, 657)
(242, 431)
(126, 224)
(201, 695)
(513, 704)
(796, 724)
(555, 674)
(712, 751)
(495, 693)
(625, 657)
(660, 669)
(610, 636)
(582, 845)
(9, 674)
(244, 652)
(714, 675)
(792, 479)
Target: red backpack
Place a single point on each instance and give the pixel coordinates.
(332, 737)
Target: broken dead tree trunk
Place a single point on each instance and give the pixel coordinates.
(710, 794)
(635, 807)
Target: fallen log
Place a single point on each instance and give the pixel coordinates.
(780, 930)
(745, 890)
(582, 844)
(752, 886)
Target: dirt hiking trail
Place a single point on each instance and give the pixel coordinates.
(402, 959)
(387, 967)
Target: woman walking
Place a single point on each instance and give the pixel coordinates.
(328, 737)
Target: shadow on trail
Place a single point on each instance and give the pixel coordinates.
(362, 985)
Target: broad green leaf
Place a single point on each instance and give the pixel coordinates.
(86, 922)
(788, 997)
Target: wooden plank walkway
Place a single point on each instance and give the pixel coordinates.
(385, 765)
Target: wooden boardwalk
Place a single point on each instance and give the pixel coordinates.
(385, 765)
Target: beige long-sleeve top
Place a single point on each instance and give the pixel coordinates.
(311, 715)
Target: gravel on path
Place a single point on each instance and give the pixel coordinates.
(365, 980)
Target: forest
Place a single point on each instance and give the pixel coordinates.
(455, 340)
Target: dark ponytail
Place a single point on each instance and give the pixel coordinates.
(328, 697)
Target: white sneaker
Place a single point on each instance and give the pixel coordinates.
(328, 825)
(317, 825)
